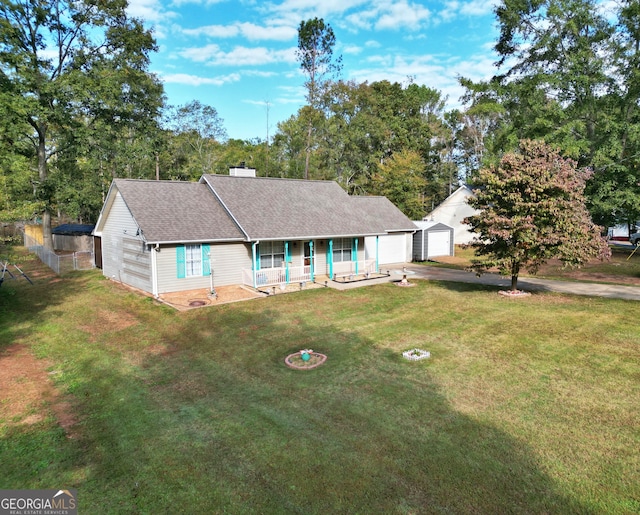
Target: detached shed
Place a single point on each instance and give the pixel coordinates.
(73, 237)
(432, 239)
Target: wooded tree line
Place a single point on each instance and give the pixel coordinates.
(78, 107)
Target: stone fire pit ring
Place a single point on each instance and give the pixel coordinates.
(305, 360)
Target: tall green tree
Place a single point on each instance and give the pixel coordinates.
(569, 76)
(401, 180)
(615, 189)
(196, 135)
(316, 41)
(532, 209)
(67, 65)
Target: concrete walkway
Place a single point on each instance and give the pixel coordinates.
(435, 273)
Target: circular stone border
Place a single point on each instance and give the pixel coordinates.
(511, 294)
(288, 362)
(416, 354)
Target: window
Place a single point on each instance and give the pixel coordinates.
(193, 260)
(271, 254)
(342, 250)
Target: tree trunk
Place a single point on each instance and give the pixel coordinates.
(514, 283)
(47, 238)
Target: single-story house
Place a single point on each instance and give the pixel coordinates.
(169, 236)
(432, 239)
(73, 237)
(452, 211)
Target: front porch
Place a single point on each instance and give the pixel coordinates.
(300, 275)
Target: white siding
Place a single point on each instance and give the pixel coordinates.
(124, 257)
(453, 211)
(392, 248)
(227, 262)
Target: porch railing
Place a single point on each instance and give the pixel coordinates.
(296, 274)
(276, 276)
(346, 268)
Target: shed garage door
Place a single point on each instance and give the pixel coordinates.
(439, 243)
(392, 249)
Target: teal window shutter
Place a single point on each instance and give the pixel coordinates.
(354, 250)
(181, 261)
(206, 261)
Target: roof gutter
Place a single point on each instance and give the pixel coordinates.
(194, 242)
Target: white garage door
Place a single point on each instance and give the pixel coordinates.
(439, 243)
(392, 248)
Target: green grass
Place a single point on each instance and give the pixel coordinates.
(526, 406)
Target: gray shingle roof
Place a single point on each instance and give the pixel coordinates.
(270, 208)
(382, 211)
(226, 208)
(173, 211)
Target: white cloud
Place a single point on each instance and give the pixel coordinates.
(440, 72)
(304, 9)
(385, 15)
(151, 11)
(478, 7)
(179, 3)
(352, 49)
(249, 31)
(402, 15)
(475, 8)
(240, 56)
(194, 80)
(214, 31)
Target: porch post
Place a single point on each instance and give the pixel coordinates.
(311, 260)
(286, 261)
(356, 254)
(330, 258)
(377, 254)
(254, 266)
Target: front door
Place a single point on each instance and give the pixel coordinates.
(307, 253)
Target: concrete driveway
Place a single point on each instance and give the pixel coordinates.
(436, 273)
(612, 291)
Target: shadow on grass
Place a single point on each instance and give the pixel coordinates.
(197, 411)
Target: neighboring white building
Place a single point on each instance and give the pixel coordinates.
(621, 231)
(452, 211)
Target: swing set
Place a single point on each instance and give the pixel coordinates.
(5, 270)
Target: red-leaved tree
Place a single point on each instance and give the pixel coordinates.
(532, 209)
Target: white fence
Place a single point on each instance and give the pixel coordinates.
(60, 263)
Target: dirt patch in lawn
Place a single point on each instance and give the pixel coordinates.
(104, 321)
(28, 395)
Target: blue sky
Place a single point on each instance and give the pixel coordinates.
(239, 56)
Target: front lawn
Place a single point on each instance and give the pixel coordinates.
(525, 406)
